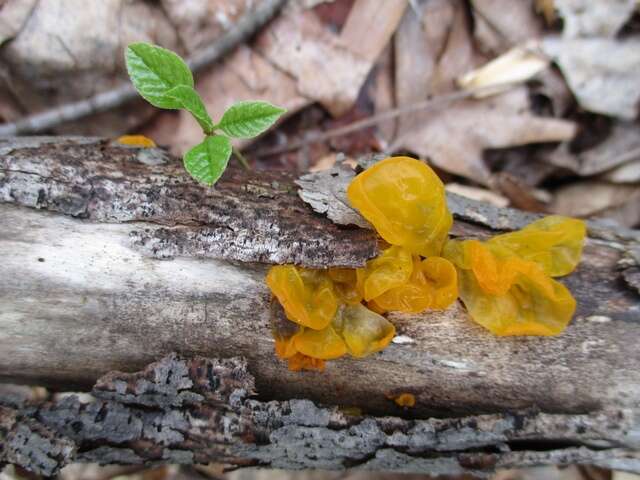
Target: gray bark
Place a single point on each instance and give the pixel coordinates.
(111, 257)
(199, 410)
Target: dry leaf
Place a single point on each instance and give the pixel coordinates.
(454, 138)
(622, 146)
(627, 173)
(71, 49)
(520, 194)
(329, 68)
(593, 18)
(325, 69)
(502, 24)
(601, 72)
(198, 22)
(420, 40)
(515, 66)
(383, 97)
(599, 199)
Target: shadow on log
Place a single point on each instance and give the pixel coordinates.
(111, 257)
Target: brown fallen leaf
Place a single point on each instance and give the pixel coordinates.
(620, 147)
(503, 24)
(71, 49)
(601, 72)
(420, 40)
(324, 68)
(199, 23)
(330, 68)
(454, 138)
(593, 198)
(520, 194)
(383, 96)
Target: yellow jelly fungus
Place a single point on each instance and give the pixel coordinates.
(509, 295)
(285, 347)
(307, 295)
(299, 362)
(390, 269)
(345, 284)
(505, 282)
(364, 332)
(405, 400)
(554, 243)
(405, 202)
(433, 285)
(136, 141)
(324, 344)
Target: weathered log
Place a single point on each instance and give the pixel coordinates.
(198, 410)
(111, 257)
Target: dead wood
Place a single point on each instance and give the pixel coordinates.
(111, 257)
(199, 410)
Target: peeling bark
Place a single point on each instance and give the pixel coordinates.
(199, 410)
(84, 291)
(248, 216)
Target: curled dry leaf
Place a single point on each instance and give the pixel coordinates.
(601, 72)
(515, 66)
(627, 173)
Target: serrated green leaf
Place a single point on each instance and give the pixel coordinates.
(207, 161)
(154, 71)
(248, 119)
(190, 100)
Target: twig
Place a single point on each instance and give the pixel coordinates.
(315, 137)
(241, 158)
(104, 101)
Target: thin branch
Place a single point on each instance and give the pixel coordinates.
(241, 158)
(432, 103)
(117, 97)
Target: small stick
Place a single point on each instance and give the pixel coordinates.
(111, 99)
(241, 158)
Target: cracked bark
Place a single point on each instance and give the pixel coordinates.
(200, 410)
(111, 257)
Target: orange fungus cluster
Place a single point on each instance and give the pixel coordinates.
(504, 282)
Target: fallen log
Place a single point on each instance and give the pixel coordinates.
(111, 257)
(197, 410)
